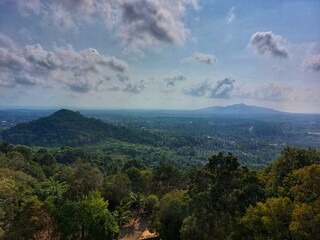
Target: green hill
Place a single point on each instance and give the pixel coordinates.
(68, 128)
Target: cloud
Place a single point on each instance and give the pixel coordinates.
(268, 43)
(11, 60)
(5, 41)
(78, 71)
(270, 92)
(219, 89)
(123, 78)
(222, 88)
(231, 15)
(201, 58)
(59, 18)
(199, 90)
(40, 58)
(177, 77)
(152, 22)
(84, 7)
(135, 88)
(205, 58)
(137, 23)
(312, 62)
(26, 7)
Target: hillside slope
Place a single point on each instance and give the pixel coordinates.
(237, 109)
(68, 128)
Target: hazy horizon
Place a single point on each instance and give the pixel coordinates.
(160, 54)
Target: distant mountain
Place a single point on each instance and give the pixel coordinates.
(68, 128)
(238, 109)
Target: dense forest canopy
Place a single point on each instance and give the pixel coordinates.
(57, 193)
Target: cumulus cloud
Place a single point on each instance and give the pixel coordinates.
(177, 77)
(5, 41)
(269, 43)
(26, 7)
(205, 58)
(138, 23)
(312, 62)
(11, 60)
(198, 90)
(78, 71)
(135, 88)
(152, 22)
(59, 18)
(40, 58)
(270, 92)
(219, 89)
(122, 77)
(231, 15)
(222, 88)
(202, 58)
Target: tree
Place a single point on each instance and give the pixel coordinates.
(269, 220)
(30, 221)
(166, 177)
(306, 187)
(8, 191)
(150, 202)
(168, 216)
(305, 222)
(85, 179)
(51, 188)
(116, 189)
(220, 193)
(89, 219)
(291, 159)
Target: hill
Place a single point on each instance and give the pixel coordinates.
(237, 109)
(68, 128)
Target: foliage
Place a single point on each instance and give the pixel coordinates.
(89, 193)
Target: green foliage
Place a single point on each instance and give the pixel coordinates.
(89, 193)
(166, 177)
(87, 219)
(67, 128)
(291, 159)
(219, 194)
(151, 201)
(306, 187)
(168, 216)
(30, 221)
(269, 220)
(51, 188)
(117, 188)
(305, 222)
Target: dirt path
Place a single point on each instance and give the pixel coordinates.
(134, 229)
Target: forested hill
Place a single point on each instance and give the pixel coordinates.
(237, 109)
(68, 128)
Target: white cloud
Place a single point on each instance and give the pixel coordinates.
(312, 62)
(135, 88)
(174, 79)
(269, 43)
(152, 22)
(79, 71)
(231, 15)
(270, 92)
(137, 23)
(201, 58)
(220, 89)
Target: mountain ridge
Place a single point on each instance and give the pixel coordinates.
(240, 108)
(68, 128)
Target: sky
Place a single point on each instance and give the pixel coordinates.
(160, 54)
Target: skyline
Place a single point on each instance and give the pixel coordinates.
(160, 54)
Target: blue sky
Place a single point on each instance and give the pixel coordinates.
(160, 54)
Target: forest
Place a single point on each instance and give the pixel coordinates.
(64, 193)
(67, 176)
